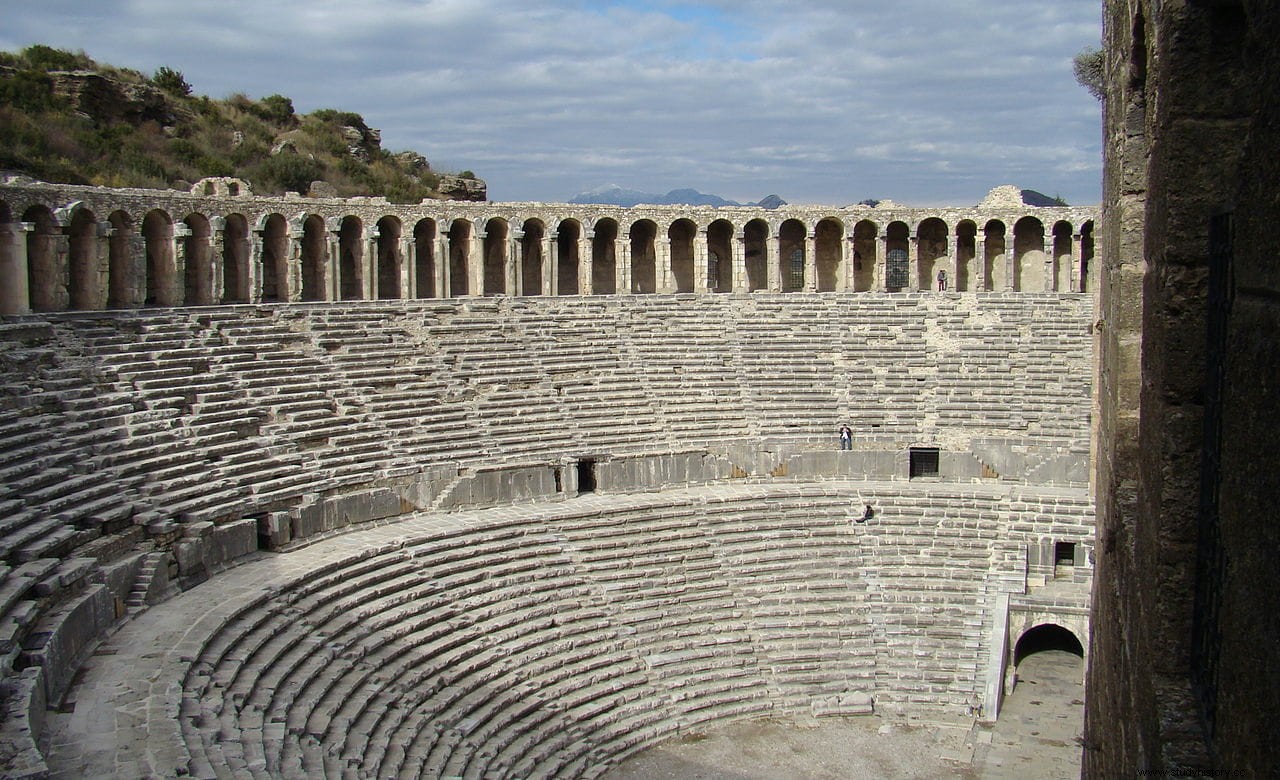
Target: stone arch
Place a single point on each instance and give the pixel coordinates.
(235, 260)
(424, 259)
(45, 285)
(160, 269)
(274, 285)
(1085, 270)
(567, 234)
(966, 251)
(755, 239)
(644, 256)
(1028, 255)
(198, 271)
(315, 259)
(1046, 636)
(351, 259)
(931, 253)
(897, 253)
(459, 262)
(864, 255)
(993, 256)
(682, 233)
(531, 259)
(389, 260)
(720, 256)
(604, 260)
(791, 261)
(829, 247)
(1063, 262)
(84, 272)
(494, 253)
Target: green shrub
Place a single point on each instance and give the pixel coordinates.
(47, 58)
(171, 81)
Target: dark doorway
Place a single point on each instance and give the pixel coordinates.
(587, 475)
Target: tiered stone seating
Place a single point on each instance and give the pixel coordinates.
(555, 642)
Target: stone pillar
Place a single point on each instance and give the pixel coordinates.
(773, 262)
(585, 261)
(1050, 265)
(913, 263)
(217, 248)
(175, 295)
(882, 262)
(408, 267)
(293, 270)
(739, 249)
(1009, 252)
(552, 261)
(663, 248)
(810, 261)
(513, 268)
(1076, 261)
(15, 297)
(369, 268)
(980, 260)
(549, 261)
(701, 257)
(475, 261)
(443, 262)
(622, 264)
(103, 231)
(333, 285)
(255, 266)
(844, 282)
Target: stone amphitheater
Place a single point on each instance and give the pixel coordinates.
(302, 487)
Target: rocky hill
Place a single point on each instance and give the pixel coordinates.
(613, 195)
(65, 118)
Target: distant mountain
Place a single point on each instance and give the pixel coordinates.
(613, 195)
(1033, 198)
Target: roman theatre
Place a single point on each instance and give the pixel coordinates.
(301, 487)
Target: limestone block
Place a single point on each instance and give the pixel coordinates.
(60, 641)
(341, 511)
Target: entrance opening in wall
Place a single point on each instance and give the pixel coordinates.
(923, 462)
(587, 475)
(1064, 554)
(1044, 637)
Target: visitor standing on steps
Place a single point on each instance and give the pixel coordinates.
(846, 438)
(942, 280)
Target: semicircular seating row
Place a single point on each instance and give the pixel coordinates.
(554, 646)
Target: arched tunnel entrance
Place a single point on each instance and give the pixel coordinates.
(1046, 637)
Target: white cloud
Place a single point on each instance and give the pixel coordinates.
(820, 101)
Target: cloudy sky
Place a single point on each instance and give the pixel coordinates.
(820, 101)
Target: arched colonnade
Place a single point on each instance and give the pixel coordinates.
(92, 253)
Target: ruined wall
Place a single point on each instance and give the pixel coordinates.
(1184, 624)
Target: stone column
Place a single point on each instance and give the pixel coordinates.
(882, 262)
(177, 292)
(810, 260)
(913, 263)
(549, 261)
(1009, 252)
(408, 267)
(136, 283)
(980, 260)
(442, 269)
(1050, 265)
(663, 248)
(585, 261)
(332, 282)
(701, 257)
(622, 264)
(773, 262)
(217, 248)
(255, 266)
(293, 270)
(369, 268)
(1076, 262)
(15, 297)
(552, 272)
(514, 265)
(103, 231)
(475, 261)
(739, 249)
(844, 282)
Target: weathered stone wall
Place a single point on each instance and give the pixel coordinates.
(1183, 671)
